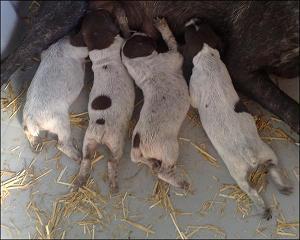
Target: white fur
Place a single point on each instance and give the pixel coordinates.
(166, 102)
(113, 82)
(234, 135)
(55, 86)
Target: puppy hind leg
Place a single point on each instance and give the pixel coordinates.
(89, 148)
(253, 194)
(65, 141)
(31, 131)
(277, 177)
(34, 141)
(168, 174)
(112, 170)
(116, 146)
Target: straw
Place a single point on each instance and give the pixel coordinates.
(208, 157)
(12, 102)
(141, 227)
(265, 127)
(243, 202)
(21, 180)
(193, 116)
(79, 120)
(209, 227)
(160, 196)
(181, 234)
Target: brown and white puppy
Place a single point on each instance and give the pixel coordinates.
(111, 100)
(225, 119)
(166, 102)
(55, 86)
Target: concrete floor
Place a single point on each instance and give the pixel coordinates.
(139, 182)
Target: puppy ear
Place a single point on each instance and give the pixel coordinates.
(221, 47)
(77, 40)
(181, 49)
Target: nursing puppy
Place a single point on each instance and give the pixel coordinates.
(225, 119)
(55, 86)
(166, 102)
(111, 100)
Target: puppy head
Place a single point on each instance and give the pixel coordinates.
(139, 45)
(98, 29)
(196, 34)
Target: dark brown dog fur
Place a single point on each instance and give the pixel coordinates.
(195, 36)
(99, 29)
(139, 46)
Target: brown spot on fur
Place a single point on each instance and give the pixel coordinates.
(240, 107)
(100, 121)
(139, 46)
(77, 40)
(136, 140)
(101, 103)
(199, 33)
(195, 36)
(99, 30)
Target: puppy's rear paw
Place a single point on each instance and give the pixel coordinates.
(184, 185)
(114, 189)
(79, 182)
(267, 214)
(286, 190)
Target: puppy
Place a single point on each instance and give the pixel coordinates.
(166, 102)
(225, 119)
(55, 86)
(111, 100)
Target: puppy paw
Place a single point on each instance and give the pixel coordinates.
(160, 22)
(113, 189)
(286, 190)
(184, 185)
(79, 182)
(267, 214)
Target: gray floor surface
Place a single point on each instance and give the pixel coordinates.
(138, 182)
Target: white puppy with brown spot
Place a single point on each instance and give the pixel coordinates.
(55, 86)
(166, 102)
(111, 100)
(230, 128)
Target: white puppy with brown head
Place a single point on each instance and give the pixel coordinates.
(166, 102)
(225, 119)
(57, 83)
(111, 100)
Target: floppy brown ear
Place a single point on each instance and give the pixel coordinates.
(77, 40)
(220, 46)
(181, 49)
